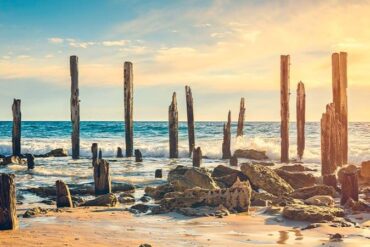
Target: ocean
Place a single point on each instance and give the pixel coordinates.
(152, 139)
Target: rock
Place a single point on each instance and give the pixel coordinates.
(281, 200)
(145, 245)
(11, 160)
(311, 226)
(205, 211)
(311, 213)
(158, 192)
(337, 237)
(233, 161)
(250, 154)
(226, 177)
(145, 199)
(264, 163)
(327, 201)
(48, 202)
(183, 178)
(266, 179)
(305, 193)
(138, 156)
(296, 168)
(272, 210)
(139, 208)
(59, 152)
(357, 205)
(297, 179)
(365, 169)
(346, 169)
(108, 200)
(35, 212)
(158, 173)
(126, 198)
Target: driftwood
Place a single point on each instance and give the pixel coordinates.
(239, 131)
(173, 126)
(349, 187)
(102, 178)
(63, 196)
(197, 157)
(128, 98)
(226, 150)
(301, 119)
(119, 153)
(138, 156)
(190, 115)
(30, 161)
(75, 108)
(284, 104)
(16, 132)
(339, 79)
(8, 211)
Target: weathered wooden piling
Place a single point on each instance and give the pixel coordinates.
(100, 156)
(8, 211)
(30, 161)
(226, 144)
(173, 126)
(349, 187)
(239, 131)
(301, 119)
(16, 131)
(284, 104)
(102, 178)
(234, 161)
(94, 151)
(138, 156)
(128, 98)
(119, 152)
(158, 173)
(63, 196)
(339, 79)
(197, 157)
(190, 115)
(75, 108)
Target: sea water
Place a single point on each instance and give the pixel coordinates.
(152, 140)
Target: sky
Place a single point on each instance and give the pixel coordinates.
(224, 50)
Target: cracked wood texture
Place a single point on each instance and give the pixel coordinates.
(226, 149)
(16, 131)
(284, 107)
(8, 211)
(173, 126)
(75, 107)
(301, 119)
(239, 131)
(190, 115)
(128, 102)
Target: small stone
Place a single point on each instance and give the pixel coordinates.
(158, 173)
(337, 237)
(141, 208)
(327, 201)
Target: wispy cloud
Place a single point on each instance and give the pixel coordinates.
(56, 40)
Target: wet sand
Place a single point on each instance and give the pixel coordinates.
(115, 227)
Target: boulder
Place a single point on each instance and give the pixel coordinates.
(158, 192)
(11, 160)
(327, 201)
(365, 169)
(226, 176)
(59, 152)
(266, 179)
(32, 212)
(311, 213)
(125, 198)
(305, 193)
(282, 200)
(183, 178)
(297, 179)
(139, 208)
(205, 211)
(250, 154)
(107, 200)
(296, 168)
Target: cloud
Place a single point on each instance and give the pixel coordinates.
(84, 45)
(115, 43)
(56, 40)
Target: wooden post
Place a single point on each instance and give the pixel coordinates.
(8, 211)
(301, 119)
(128, 98)
(158, 173)
(138, 156)
(119, 153)
(226, 149)
(339, 79)
(30, 161)
(349, 187)
(233, 161)
(239, 131)
(173, 127)
(102, 177)
(284, 104)
(16, 132)
(75, 108)
(197, 157)
(190, 115)
(94, 151)
(100, 156)
(63, 195)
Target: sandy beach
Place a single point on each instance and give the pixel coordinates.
(114, 227)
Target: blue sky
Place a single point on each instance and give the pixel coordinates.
(223, 49)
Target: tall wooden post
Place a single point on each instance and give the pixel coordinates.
(239, 131)
(226, 149)
(284, 104)
(102, 178)
(16, 132)
(197, 157)
(8, 211)
(349, 187)
(128, 98)
(339, 79)
(75, 107)
(173, 126)
(190, 115)
(63, 196)
(301, 119)
(94, 151)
